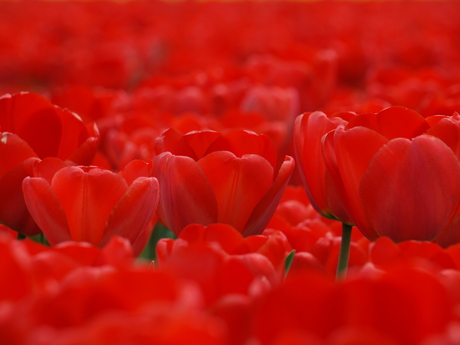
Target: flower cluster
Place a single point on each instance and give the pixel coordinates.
(244, 173)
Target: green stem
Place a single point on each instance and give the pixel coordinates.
(344, 251)
(21, 236)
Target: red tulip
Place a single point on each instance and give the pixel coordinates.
(208, 177)
(392, 177)
(33, 128)
(308, 131)
(91, 204)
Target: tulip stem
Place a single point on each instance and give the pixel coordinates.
(344, 251)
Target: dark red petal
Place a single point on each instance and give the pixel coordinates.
(266, 207)
(411, 189)
(13, 210)
(308, 131)
(186, 197)
(347, 155)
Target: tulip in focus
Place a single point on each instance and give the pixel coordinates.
(209, 177)
(308, 130)
(397, 174)
(76, 203)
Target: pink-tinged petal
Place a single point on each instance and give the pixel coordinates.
(13, 151)
(13, 210)
(85, 153)
(347, 155)
(411, 189)
(448, 130)
(46, 210)
(88, 198)
(238, 184)
(135, 169)
(241, 142)
(186, 197)
(266, 207)
(308, 131)
(393, 122)
(133, 211)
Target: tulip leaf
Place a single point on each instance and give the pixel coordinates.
(158, 233)
(288, 262)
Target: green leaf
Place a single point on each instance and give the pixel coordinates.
(158, 233)
(288, 262)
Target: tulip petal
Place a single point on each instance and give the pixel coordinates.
(85, 153)
(448, 130)
(136, 168)
(193, 144)
(46, 210)
(238, 184)
(263, 212)
(186, 197)
(242, 142)
(13, 210)
(75, 132)
(13, 151)
(308, 130)
(347, 155)
(393, 122)
(48, 167)
(412, 188)
(87, 198)
(133, 211)
(227, 237)
(200, 141)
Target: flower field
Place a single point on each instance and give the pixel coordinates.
(230, 173)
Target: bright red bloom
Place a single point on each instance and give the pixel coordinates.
(396, 173)
(34, 128)
(91, 204)
(208, 177)
(223, 262)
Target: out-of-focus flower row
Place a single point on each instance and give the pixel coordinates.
(213, 286)
(185, 116)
